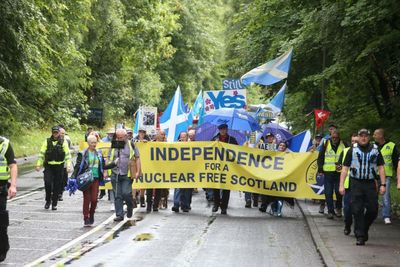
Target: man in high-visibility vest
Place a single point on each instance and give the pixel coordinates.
(8, 171)
(363, 163)
(53, 154)
(328, 167)
(390, 155)
(127, 168)
(348, 216)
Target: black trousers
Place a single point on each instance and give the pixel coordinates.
(53, 178)
(364, 205)
(4, 221)
(221, 202)
(64, 181)
(149, 198)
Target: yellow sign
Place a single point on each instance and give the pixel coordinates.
(226, 166)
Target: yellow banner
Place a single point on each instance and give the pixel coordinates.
(226, 166)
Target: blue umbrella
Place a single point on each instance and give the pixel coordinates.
(236, 119)
(207, 131)
(280, 133)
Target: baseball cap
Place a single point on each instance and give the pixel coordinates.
(332, 125)
(269, 134)
(129, 130)
(55, 129)
(111, 130)
(142, 129)
(318, 136)
(222, 126)
(363, 131)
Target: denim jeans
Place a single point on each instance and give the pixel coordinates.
(182, 197)
(122, 187)
(250, 196)
(386, 199)
(348, 216)
(331, 183)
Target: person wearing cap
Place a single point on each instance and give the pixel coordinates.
(364, 162)
(53, 154)
(328, 159)
(348, 216)
(331, 127)
(8, 172)
(109, 137)
(219, 202)
(316, 142)
(141, 137)
(390, 155)
(129, 133)
(270, 144)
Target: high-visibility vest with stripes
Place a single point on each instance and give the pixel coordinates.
(4, 169)
(131, 154)
(331, 157)
(364, 165)
(387, 152)
(346, 180)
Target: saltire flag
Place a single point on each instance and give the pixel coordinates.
(300, 142)
(198, 104)
(174, 119)
(278, 100)
(320, 116)
(270, 72)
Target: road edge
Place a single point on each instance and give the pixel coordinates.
(326, 256)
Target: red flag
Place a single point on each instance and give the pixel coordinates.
(320, 116)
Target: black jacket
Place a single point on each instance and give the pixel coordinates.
(231, 139)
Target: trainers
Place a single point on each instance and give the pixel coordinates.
(175, 209)
(338, 212)
(112, 207)
(47, 205)
(321, 209)
(86, 222)
(91, 220)
(347, 230)
(330, 216)
(215, 209)
(53, 207)
(129, 212)
(118, 219)
(387, 221)
(262, 209)
(248, 204)
(360, 241)
(3, 256)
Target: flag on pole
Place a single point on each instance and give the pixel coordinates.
(271, 72)
(278, 100)
(198, 104)
(320, 117)
(136, 128)
(300, 142)
(174, 119)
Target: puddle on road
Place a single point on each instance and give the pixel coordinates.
(143, 237)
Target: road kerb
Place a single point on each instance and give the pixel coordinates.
(316, 237)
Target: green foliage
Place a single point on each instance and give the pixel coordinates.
(59, 55)
(357, 40)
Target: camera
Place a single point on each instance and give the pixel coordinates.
(114, 142)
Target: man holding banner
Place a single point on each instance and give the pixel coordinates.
(222, 136)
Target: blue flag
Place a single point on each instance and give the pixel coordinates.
(174, 119)
(300, 142)
(271, 72)
(136, 128)
(278, 100)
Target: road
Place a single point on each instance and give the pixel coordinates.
(245, 237)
